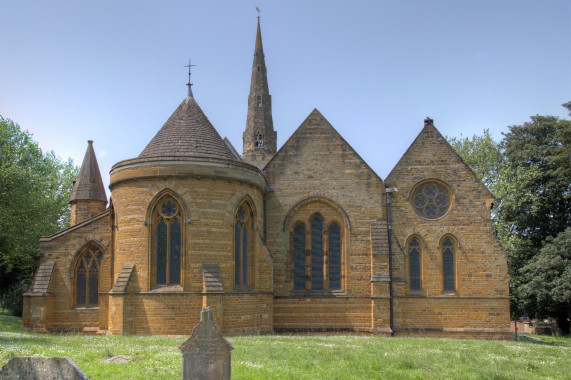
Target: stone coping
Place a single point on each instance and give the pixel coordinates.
(180, 167)
(75, 227)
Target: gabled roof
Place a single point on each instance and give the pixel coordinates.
(188, 133)
(88, 185)
(429, 127)
(316, 115)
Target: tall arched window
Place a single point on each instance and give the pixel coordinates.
(243, 223)
(334, 256)
(414, 264)
(167, 242)
(299, 257)
(317, 253)
(87, 277)
(448, 253)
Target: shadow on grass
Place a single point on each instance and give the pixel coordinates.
(545, 340)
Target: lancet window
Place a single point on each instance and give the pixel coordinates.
(448, 264)
(167, 242)
(243, 258)
(414, 264)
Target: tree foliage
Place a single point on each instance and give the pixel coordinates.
(34, 195)
(529, 172)
(547, 278)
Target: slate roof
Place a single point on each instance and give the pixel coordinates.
(89, 185)
(188, 133)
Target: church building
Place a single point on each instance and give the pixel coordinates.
(307, 238)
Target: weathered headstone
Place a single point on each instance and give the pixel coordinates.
(206, 354)
(37, 368)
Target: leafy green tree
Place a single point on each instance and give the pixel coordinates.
(484, 155)
(547, 279)
(529, 172)
(535, 195)
(34, 194)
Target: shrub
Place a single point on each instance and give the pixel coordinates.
(13, 300)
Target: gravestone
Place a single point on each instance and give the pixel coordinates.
(37, 368)
(206, 354)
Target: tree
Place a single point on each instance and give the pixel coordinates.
(529, 173)
(34, 194)
(484, 155)
(547, 279)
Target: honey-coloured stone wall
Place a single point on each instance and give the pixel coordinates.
(480, 298)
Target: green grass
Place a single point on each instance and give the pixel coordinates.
(304, 357)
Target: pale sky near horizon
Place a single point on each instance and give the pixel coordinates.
(113, 72)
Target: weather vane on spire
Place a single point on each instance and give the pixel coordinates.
(189, 84)
(258, 10)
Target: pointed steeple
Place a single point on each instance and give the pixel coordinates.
(88, 196)
(259, 138)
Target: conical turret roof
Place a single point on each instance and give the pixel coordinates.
(188, 133)
(88, 185)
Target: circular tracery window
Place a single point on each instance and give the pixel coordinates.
(168, 209)
(431, 200)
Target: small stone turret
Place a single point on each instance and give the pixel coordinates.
(88, 196)
(260, 139)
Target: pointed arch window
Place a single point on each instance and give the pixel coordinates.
(259, 140)
(259, 100)
(166, 243)
(243, 223)
(87, 277)
(448, 264)
(414, 264)
(317, 254)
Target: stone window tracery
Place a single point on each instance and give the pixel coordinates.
(243, 260)
(448, 264)
(167, 243)
(87, 277)
(431, 200)
(317, 253)
(414, 264)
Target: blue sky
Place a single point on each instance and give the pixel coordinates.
(114, 71)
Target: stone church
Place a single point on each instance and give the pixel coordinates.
(307, 238)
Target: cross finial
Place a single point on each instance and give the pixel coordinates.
(258, 10)
(189, 84)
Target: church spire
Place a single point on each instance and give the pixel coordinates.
(88, 196)
(259, 138)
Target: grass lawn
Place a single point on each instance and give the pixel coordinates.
(304, 357)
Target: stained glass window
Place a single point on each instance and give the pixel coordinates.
(299, 257)
(167, 236)
(431, 200)
(242, 221)
(87, 277)
(448, 264)
(414, 264)
(334, 257)
(316, 253)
